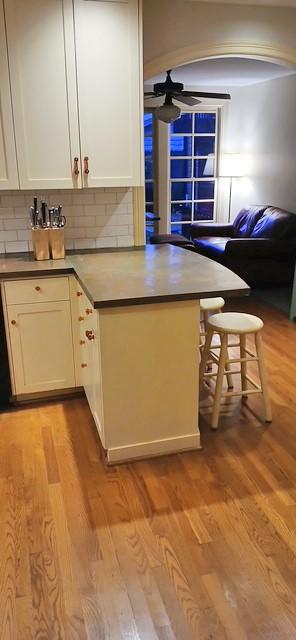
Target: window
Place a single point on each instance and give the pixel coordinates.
(193, 152)
(150, 213)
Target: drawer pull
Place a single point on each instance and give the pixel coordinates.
(75, 166)
(13, 322)
(80, 318)
(86, 169)
(37, 288)
(82, 342)
(90, 335)
(88, 311)
(79, 293)
(83, 365)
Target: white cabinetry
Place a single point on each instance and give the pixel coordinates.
(8, 165)
(108, 75)
(58, 51)
(90, 358)
(42, 69)
(39, 335)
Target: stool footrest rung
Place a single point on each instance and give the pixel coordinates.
(254, 383)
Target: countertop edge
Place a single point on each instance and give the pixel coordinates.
(116, 303)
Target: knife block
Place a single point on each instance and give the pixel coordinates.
(57, 243)
(40, 244)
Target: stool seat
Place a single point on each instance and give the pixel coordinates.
(235, 323)
(211, 304)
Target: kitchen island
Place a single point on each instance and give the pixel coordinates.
(139, 328)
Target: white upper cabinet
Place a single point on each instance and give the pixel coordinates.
(42, 69)
(109, 91)
(8, 165)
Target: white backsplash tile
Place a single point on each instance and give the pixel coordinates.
(95, 218)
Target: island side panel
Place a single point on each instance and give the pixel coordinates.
(149, 358)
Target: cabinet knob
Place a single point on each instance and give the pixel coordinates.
(79, 293)
(80, 318)
(13, 322)
(86, 169)
(88, 311)
(75, 166)
(82, 342)
(37, 288)
(83, 365)
(90, 335)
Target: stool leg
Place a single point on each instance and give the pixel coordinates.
(244, 382)
(229, 375)
(205, 355)
(206, 320)
(263, 378)
(219, 382)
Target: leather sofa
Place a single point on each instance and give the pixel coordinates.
(260, 244)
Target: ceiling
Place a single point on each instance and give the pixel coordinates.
(225, 72)
(266, 3)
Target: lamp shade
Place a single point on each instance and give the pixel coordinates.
(232, 165)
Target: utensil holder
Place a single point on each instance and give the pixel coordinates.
(57, 243)
(40, 244)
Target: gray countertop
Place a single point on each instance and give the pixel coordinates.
(157, 273)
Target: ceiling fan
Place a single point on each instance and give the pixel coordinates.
(169, 112)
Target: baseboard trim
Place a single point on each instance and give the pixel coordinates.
(153, 448)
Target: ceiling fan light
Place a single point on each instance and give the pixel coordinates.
(168, 113)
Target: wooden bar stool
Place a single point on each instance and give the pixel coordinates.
(209, 306)
(241, 325)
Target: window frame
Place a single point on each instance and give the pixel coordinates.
(192, 158)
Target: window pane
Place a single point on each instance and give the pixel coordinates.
(182, 229)
(203, 211)
(183, 124)
(180, 212)
(204, 190)
(148, 168)
(205, 123)
(180, 168)
(181, 191)
(203, 168)
(181, 145)
(148, 146)
(149, 191)
(204, 146)
(148, 121)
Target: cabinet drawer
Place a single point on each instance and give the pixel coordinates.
(36, 290)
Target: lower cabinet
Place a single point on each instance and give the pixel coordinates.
(41, 346)
(90, 358)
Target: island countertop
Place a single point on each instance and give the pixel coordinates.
(156, 273)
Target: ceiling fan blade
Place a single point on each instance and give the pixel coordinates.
(150, 94)
(201, 94)
(186, 99)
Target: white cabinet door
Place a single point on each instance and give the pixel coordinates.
(96, 377)
(41, 346)
(109, 91)
(41, 56)
(8, 164)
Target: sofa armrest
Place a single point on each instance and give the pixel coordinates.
(259, 248)
(199, 229)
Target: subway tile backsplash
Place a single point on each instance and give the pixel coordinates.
(96, 218)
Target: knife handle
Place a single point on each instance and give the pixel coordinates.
(75, 166)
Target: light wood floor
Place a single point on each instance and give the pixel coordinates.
(195, 546)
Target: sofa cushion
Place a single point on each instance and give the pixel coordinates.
(275, 223)
(211, 247)
(246, 220)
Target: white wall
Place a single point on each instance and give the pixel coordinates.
(96, 218)
(260, 123)
(170, 25)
